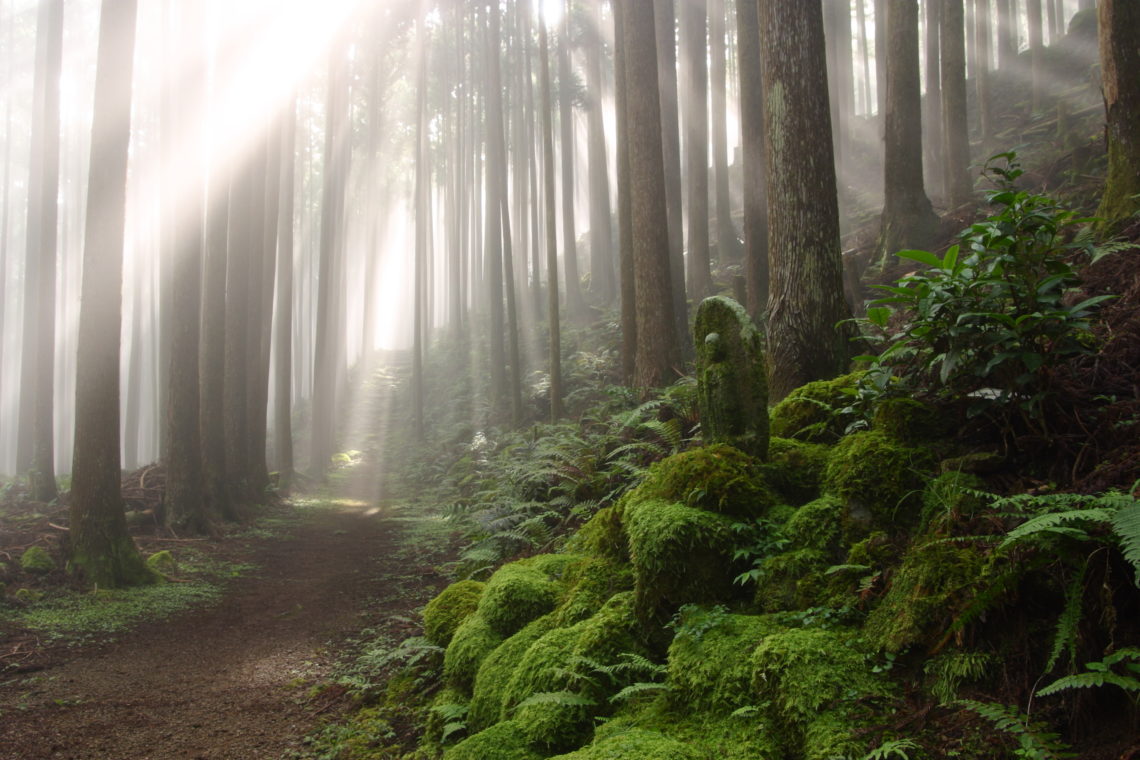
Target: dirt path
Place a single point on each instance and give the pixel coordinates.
(229, 681)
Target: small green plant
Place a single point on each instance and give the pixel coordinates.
(756, 540)
(1035, 741)
(993, 317)
(1101, 673)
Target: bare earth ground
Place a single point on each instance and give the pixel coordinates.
(230, 681)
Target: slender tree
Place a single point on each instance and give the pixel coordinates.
(283, 345)
(625, 202)
(983, 45)
(556, 409)
(806, 301)
(419, 332)
(212, 347)
(908, 219)
(575, 304)
(99, 546)
(727, 242)
(658, 352)
(932, 103)
(752, 131)
(694, 67)
(1120, 72)
(956, 185)
(601, 232)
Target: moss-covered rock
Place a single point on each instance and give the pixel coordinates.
(634, 744)
(495, 674)
(795, 468)
(708, 736)
(680, 555)
(718, 478)
(515, 595)
(592, 582)
(907, 420)
(935, 581)
(732, 376)
(823, 525)
(951, 497)
(553, 566)
(444, 614)
(502, 741)
(810, 412)
(792, 580)
(471, 643)
(36, 560)
(603, 535)
(878, 478)
(707, 669)
(162, 563)
(443, 717)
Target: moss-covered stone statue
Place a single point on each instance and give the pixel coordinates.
(732, 385)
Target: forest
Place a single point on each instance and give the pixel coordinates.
(579, 379)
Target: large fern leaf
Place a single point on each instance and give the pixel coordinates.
(1057, 523)
(1126, 525)
(1090, 680)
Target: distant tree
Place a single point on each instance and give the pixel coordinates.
(658, 352)
(984, 46)
(806, 301)
(625, 204)
(601, 234)
(752, 131)
(956, 186)
(695, 76)
(908, 219)
(99, 546)
(212, 347)
(38, 377)
(283, 345)
(727, 242)
(575, 304)
(1120, 70)
(552, 316)
(1006, 34)
(422, 198)
(1036, 46)
(932, 103)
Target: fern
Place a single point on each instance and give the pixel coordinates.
(1099, 674)
(638, 689)
(1067, 624)
(950, 670)
(1036, 742)
(1126, 525)
(556, 698)
(895, 748)
(1057, 523)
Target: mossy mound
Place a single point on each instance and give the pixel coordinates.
(502, 741)
(634, 744)
(680, 555)
(718, 478)
(515, 595)
(810, 412)
(878, 478)
(707, 666)
(473, 640)
(795, 468)
(603, 535)
(593, 581)
(441, 718)
(444, 614)
(706, 737)
(162, 563)
(792, 580)
(823, 525)
(907, 420)
(934, 582)
(495, 674)
(37, 561)
(951, 498)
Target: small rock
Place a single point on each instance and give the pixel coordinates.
(35, 559)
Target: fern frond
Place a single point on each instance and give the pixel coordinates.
(556, 698)
(1055, 522)
(637, 689)
(451, 729)
(1090, 680)
(1066, 636)
(1126, 526)
(1036, 742)
(894, 748)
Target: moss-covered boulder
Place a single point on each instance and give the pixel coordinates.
(795, 468)
(635, 744)
(707, 666)
(163, 563)
(502, 741)
(718, 478)
(812, 412)
(447, 611)
(473, 640)
(37, 561)
(792, 580)
(515, 595)
(878, 478)
(445, 718)
(907, 420)
(603, 535)
(680, 555)
(932, 586)
(708, 735)
(732, 376)
(951, 498)
(495, 672)
(824, 525)
(592, 582)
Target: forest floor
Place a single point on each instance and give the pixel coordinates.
(250, 675)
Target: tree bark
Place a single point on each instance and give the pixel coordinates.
(755, 183)
(625, 203)
(1120, 72)
(727, 242)
(932, 111)
(806, 301)
(957, 187)
(283, 346)
(982, 74)
(556, 410)
(99, 546)
(694, 68)
(575, 305)
(601, 231)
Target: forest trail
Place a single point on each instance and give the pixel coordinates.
(231, 681)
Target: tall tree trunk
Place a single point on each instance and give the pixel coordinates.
(658, 352)
(185, 507)
(99, 546)
(665, 25)
(1006, 35)
(493, 224)
(419, 429)
(6, 191)
(556, 409)
(932, 113)
(42, 240)
(755, 183)
(727, 242)
(806, 301)
(625, 199)
(283, 346)
(212, 352)
(1036, 45)
(881, 45)
(1120, 71)
(955, 125)
(601, 231)
(908, 220)
(262, 271)
(865, 55)
(694, 67)
(983, 72)
(575, 305)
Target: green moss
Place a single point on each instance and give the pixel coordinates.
(832, 734)
(708, 737)
(792, 580)
(795, 468)
(906, 420)
(603, 535)
(950, 497)
(877, 478)
(718, 478)
(593, 581)
(447, 701)
(707, 666)
(933, 583)
(822, 525)
(801, 672)
(809, 413)
(553, 566)
(36, 560)
(679, 554)
(162, 563)
(472, 642)
(634, 744)
(502, 741)
(444, 614)
(515, 595)
(495, 674)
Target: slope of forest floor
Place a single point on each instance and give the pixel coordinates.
(246, 677)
